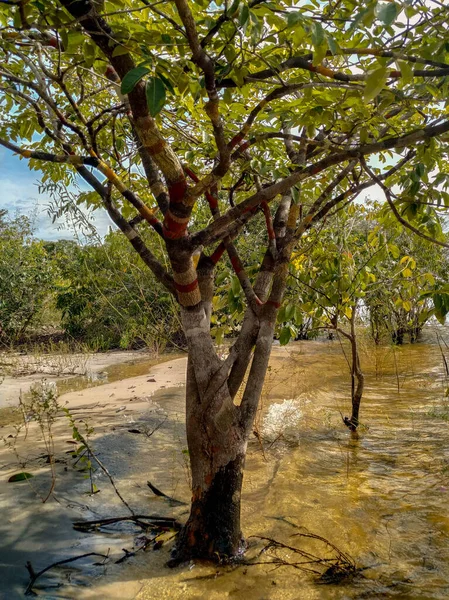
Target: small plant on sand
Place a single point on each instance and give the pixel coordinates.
(42, 407)
(83, 453)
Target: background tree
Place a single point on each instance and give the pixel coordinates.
(255, 111)
(26, 277)
(107, 300)
(361, 270)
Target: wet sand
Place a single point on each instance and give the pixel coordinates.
(54, 368)
(42, 533)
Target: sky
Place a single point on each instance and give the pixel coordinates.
(19, 194)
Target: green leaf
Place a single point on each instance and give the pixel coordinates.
(167, 83)
(333, 46)
(285, 336)
(233, 8)
(155, 91)
(20, 477)
(317, 34)
(289, 310)
(132, 78)
(387, 12)
(406, 71)
(120, 51)
(375, 82)
(75, 40)
(293, 18)
(420, 169)
(244, 17)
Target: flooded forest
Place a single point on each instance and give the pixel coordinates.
(224, 264)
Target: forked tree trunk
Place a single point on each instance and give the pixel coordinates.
(217, 456)
(217, 427)
(217, 433)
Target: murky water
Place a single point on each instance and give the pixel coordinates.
(382, 497)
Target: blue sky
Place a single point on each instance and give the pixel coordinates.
(19, 194)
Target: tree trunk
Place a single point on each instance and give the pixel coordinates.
(358, 379)
(217, 455)
(357, 376)
(357, 394)
(217, 428)
(213, 531)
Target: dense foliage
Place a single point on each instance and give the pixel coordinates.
(26, 275)
(94, 293)
(363, 262)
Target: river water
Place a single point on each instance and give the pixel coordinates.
(381, 496)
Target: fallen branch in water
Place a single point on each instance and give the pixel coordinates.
(333, 569)
(34, 576)
(163, 523)
(157, 492)
(157, 545)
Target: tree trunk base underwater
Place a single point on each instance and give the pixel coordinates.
(212, 531)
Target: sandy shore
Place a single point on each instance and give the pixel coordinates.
(23, 371)
(133, 389)
(43, 533)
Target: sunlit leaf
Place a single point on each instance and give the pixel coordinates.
(375, 82)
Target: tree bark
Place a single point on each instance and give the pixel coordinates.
(357, 376)
(217, 449)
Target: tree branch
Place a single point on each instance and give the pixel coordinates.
(207, 65)
(395, 211)
(224, 224)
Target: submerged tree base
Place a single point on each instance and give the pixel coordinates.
(212, 531)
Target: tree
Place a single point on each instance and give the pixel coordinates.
(266, 109)
(106, 298)
(26, 277)
(331, 282)
(361, 267)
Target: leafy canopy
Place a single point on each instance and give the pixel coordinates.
(257, 98)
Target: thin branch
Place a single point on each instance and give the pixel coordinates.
(34, 576)
(303, 62)
(92, 161)
(395, 211)
(226, 223)
(207, 65)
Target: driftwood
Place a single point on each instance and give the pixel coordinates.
(34, 576)
(333, 569)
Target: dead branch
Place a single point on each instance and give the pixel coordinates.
(333, 569)
(34, 576)
(155, 521)
(157, 492)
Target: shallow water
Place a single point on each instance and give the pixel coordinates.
(381, 497)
